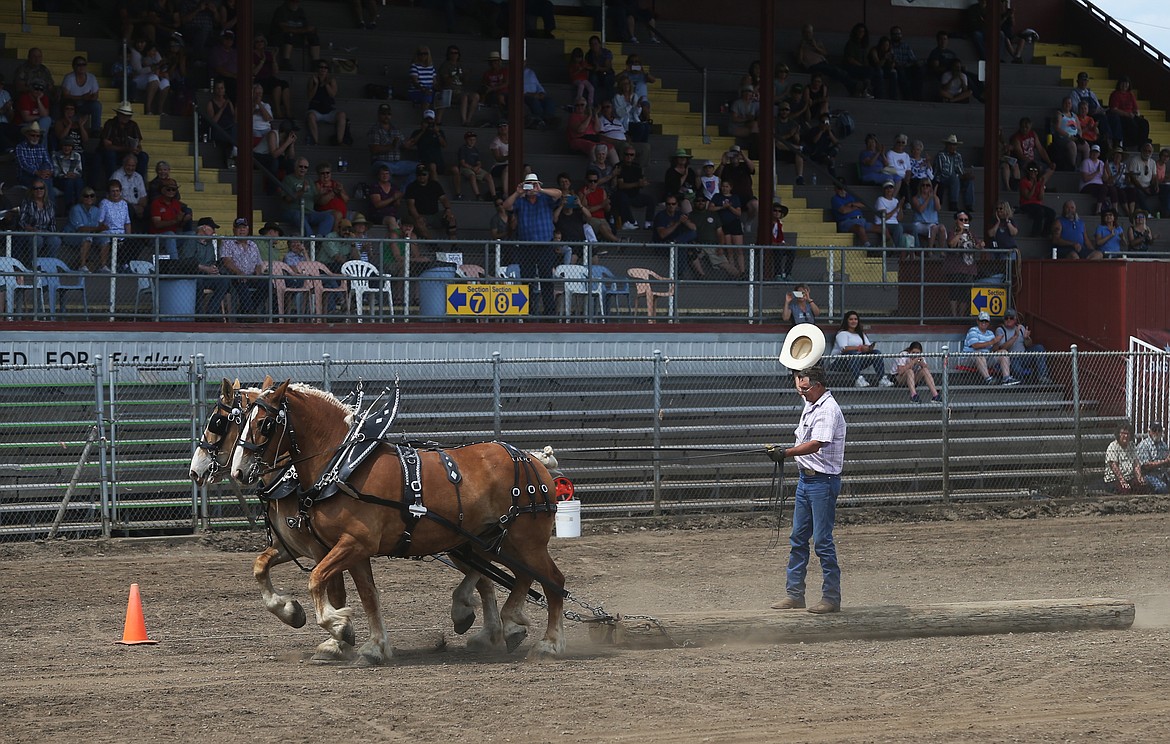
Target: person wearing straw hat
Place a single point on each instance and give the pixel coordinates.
(952, 175)
(820, 457)
(121, 136)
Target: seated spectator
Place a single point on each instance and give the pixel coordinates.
(579, 77)
(797, 102)
(672, 226)
(815, 97)
(708, 235)
(1032, 187)
(627, 192)
(854, 60)
(847, 211)
(428, 206)
(628, 109)
(338, 247)
(33, 105)
(941, 59)
(169, 217)
(821, 144)
(279, 160)
(145, 61)
(681, 180)
(977, 347)
(220, 113)
(423, 77)
(1090, 131)
(635, 71)
(1153, 456)
(788, 139)
(429, 141)
(730, 210)
(780, 82)
(323, 106)
(68, 176)
(213, 283)
(954, 87)
(898, 164)
(39, 215)
(32, 157)
(385, 198)
(739, 169)
(1067, 139)
(385, 141)
(133, 190)
(1142, 174)
(1117, 176)
(852, 343)
(887, 211)
(1027, 357)
(452, 84)
(745, 117)
(298, 192)
(799, 306)
(813, 57)
(1123, 470)
(1093, 179)
(1135, 129)
(601, 73)
(32, 70)
(272, 249)
(290, 27)
(581, 131)
(331, 194)
(222, 62)
(115, 214)
(920, 167)
(911, 368)
(264, 70)
(1070, 237)
(1027, 147)
(499, 151)
(871, 162)
(1140, 236)
(595, 205)
(960, 264)
(471, 167)
(121, 137)
(240, 259)
(1109, 235)
(925, 207)
(85, 219)
(542, 110)
(954, 180)
(1108, 122)
(1003, 232)
(1009, 164)
(884, 69)
(81, 89)
(162, 174)
(494, 83)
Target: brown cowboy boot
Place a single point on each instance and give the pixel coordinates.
(789, 603)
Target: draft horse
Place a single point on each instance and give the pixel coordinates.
(389, 507)
(210, 463)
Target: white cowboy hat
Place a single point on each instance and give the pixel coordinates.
(803, 347)
(124, 108)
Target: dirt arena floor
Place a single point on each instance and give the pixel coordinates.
(226, 670)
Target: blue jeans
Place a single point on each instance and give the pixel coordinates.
(955, 187)
(400, 168)
(1022, 365)
(316, 223)
(813, 513)
(855, 363)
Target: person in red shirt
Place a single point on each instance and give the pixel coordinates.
(595, 202)
(495, 83)
(168, 216)
(33, 105)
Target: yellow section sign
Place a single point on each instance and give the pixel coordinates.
(487, 299)
(992, 300)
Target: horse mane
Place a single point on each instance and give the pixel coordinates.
(309, 390)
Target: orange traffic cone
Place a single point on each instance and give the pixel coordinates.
(134, 634)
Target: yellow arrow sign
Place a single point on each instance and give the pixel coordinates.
(487, 299)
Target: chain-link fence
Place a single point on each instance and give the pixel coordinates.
(95, 450)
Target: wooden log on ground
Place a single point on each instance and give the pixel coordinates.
(886, 622)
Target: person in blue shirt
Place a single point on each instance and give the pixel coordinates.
(1108, 236)
(534, 205)
(847, 211)
(977, 346)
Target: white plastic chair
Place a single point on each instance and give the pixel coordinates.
(145, 272)
(50, 271)
(574, 284)
(11, 271)
(362, 273)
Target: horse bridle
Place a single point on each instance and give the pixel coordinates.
(275, 415)
(217, 424)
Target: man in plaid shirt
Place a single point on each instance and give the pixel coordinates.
(907, 64)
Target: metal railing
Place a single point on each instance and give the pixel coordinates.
(1124, 32)
(698, 68)
(103, 448)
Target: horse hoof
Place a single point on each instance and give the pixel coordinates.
(295, 614)
(462, 624)
(542, 651)
(348, 636)
(333, 650)
(515, 638)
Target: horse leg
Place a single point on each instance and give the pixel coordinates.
(283, 606)
(335, 620)
(491, 636)
(377, 650)
(529, 541)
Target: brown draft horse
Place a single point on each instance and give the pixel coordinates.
(210, 462)
(495, 490)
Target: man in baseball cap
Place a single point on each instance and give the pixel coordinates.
(977, 346)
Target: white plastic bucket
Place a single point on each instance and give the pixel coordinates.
(568, 518)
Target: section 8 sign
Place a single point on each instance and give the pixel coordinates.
(487, 299)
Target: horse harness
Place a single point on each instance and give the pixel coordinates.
(366, 434)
